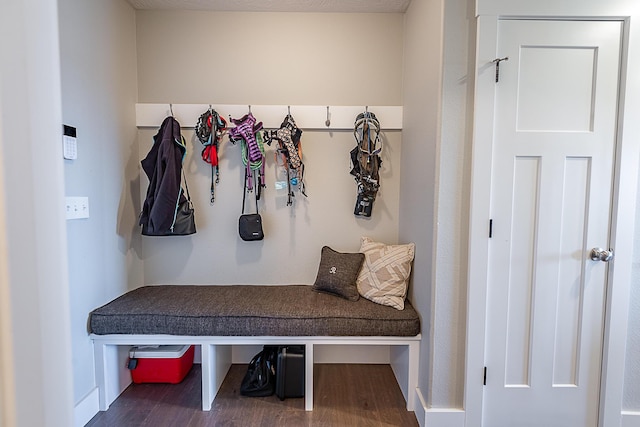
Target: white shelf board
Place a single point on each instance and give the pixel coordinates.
(306, 116)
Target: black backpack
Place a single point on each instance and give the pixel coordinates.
(260, 379)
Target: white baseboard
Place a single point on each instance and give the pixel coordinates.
(86, 409)
(630, 419)
(420, 408)
(444, 417)
(437, 417)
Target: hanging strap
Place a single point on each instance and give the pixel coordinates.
(175, 212)
(217, 180)
(209, 130)
(303, 189)
(244, 192)
(210, 155)
(186, 187)
(291, 195)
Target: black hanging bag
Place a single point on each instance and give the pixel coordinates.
(184, 222)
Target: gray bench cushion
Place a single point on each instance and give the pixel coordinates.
(248, 310)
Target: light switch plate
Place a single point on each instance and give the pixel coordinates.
(77, 207)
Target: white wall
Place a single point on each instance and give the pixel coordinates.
(34, 333)
(99, 92)
(452, 204)
(422, 78)
(439, 48)
(271, 58)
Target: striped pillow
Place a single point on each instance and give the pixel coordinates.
(385, 273)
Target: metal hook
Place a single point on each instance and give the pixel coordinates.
(249, 109)
(366, 108)
(497, 61)
(327, 122)
(210, 109)
(289, 109)
(171, 108)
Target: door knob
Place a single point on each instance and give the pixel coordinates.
(599, 254)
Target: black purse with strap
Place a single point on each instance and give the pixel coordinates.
(250, 225)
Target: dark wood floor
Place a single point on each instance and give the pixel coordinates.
(344, 395)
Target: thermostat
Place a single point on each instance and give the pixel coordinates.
(69, 143)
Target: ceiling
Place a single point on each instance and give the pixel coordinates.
(338, 6)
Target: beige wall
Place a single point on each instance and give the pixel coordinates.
(98, 68)
(7, 379)
(271, 58)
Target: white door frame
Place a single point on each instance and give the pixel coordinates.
(623, 221)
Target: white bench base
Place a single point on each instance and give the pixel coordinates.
(216, 360)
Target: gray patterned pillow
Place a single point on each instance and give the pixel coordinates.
(337, 273)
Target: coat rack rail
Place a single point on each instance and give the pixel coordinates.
(307, 116)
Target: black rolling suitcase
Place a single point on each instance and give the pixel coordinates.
(290, 372)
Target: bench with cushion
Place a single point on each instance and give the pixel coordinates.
(218, 317)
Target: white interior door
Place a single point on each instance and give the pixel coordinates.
(553, 160)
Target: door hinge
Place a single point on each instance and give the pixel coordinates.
(490, 228)
(484, 380)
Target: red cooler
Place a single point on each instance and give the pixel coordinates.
(160, 364)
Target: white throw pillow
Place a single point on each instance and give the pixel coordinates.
(384, 276)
